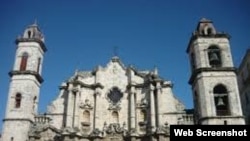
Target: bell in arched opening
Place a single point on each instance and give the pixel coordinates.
(220, 102)
(214, 59)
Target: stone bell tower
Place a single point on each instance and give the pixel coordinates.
(213, 77)
(24, 85)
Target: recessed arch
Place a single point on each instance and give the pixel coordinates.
(24, 60)
(221, 100)
(143, 115)
(115, 117)
(214, 56)
(86, 116)
(29, 32)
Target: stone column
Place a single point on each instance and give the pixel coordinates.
(152, 108)
(158, 111)
(132, 108)
(76, 106)
(69, 107)
(97, 105)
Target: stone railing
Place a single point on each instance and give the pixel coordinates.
(42, 119)
(187, 119)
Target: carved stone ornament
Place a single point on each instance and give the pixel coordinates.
(132, 132)
(96, 133)
(163, 129)
(114, 128)
(115, 107)
(86, 105)
(143, 104)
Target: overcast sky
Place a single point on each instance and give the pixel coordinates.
(148, 33)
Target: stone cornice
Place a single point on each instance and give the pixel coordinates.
(91, 86)
(18, 119)
(207, 69)
(219, 117)
(41, 43)
(27, 72)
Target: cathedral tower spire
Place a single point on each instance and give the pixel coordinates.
(213, 79)
(25, 84)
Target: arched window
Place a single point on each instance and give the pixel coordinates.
(86, 116)
(24, 60)
(29, 34)
(221, 100)
(38, 65)
(18, 100)
(115, 117)
(209, 31)
(214, 56)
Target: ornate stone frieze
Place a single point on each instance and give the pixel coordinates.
(115, 128)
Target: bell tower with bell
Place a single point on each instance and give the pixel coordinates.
(24, 89)
(213, 77)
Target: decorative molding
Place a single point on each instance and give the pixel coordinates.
(210, 69)
(27, 72)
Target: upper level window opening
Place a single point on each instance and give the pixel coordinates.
(29, 34)
(221, 100)
(38, 65)
(18, 100)
(214, 56)
(24, 60)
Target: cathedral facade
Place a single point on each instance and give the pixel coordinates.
(117, 102)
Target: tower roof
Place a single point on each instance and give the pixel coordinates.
(32, 33)
(206, 29)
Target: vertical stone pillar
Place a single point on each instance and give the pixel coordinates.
(158, 109)
(69, 107)
(152, 107)
(132, 108)
(76, 106)
(96, 120)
